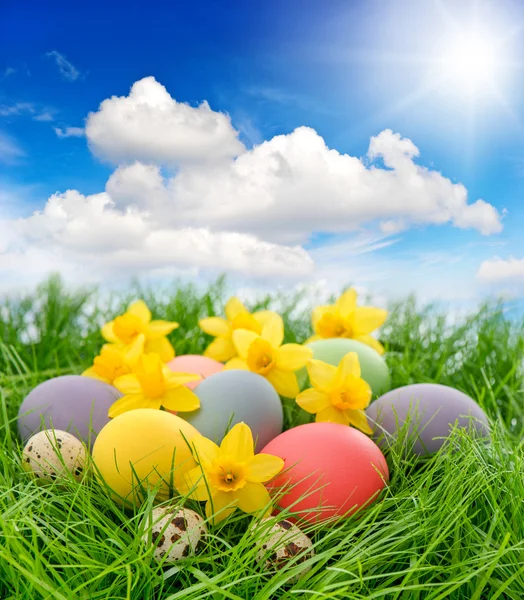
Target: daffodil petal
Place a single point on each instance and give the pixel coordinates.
(233, 308)
(347, 302)
(215, 326)
(263, 467)
(204, 450)
(366, 319)
(313, 338)
(332, 415)
(253, 497)
(273, 331)
(318, 313)
(349, 365)
(238, 443)
(174, 379)
(236, 364)
(127, 384)
(162, 347)
(180, 399)
(193, 483)
(94, 375)
(284, 382)
(372, 342)
(321, 375)
(131, 402)
(359, 420)
(313, 401)
(242, 338)
(108, 334)
(263, 316)
(133, 352)
(159, 329)
(139, 309)
(218, 506)
(291, 357)
(221, 349)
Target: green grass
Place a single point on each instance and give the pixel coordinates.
(451, 526)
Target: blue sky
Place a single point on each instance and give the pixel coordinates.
(347, 70)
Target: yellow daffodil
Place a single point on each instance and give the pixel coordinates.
(230, 476)
(338, 395)
(237, 317)
(345, 319)
(136, 322)
(152, 385)
(114, 361)
(265, 355)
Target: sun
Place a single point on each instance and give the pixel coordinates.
(472, 62)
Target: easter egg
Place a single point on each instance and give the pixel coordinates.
(336, 468)
(51, 454)
(71, 403)
(230, 397)
(174, 533)
(373, 367)
(143, 448)
(281, 544)
(194, 363)
(431, 410)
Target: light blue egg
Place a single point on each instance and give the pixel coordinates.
(230, 397)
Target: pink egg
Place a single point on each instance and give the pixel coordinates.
(337, 468)
(194, 363)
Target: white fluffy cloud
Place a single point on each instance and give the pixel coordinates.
(150, 126)
(69, 132)
(224, 207)
(499, 270)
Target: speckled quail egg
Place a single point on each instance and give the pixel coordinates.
(175, 533)
(52, 453)
(281, 543)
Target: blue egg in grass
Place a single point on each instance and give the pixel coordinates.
(230, 397)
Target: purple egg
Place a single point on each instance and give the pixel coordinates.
(71, 403)
(431, 410)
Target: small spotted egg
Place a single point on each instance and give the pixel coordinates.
(52, 453)
(283, 542)
(175, 533)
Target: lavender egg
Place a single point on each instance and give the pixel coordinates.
(71, 403)
(430, 409)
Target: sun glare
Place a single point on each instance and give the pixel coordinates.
(471, 63)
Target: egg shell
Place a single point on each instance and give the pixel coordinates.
(373, 367)
(194, 363)
(337, 467)
(143, 446)
(431, 409)
(175, 533)
(281, 544)
(70, 403)
(50, 454)
(230, 397)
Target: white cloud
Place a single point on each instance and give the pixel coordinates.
(69, 132)
(46, 115)
(9, 71)
(227, 208)
(10, 151)
(150, 126)
(16, 109)
(68, 71)
(499, 270)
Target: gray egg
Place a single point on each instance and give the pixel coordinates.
(175, 533)
(70, 403)
(281, 543)
(50, 454)
(431, 410)
(230, 397)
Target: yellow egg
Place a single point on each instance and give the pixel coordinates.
(143, 449)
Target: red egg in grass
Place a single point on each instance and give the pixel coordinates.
(334, 469)
(194, 363)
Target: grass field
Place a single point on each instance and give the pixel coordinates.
(451, 526)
